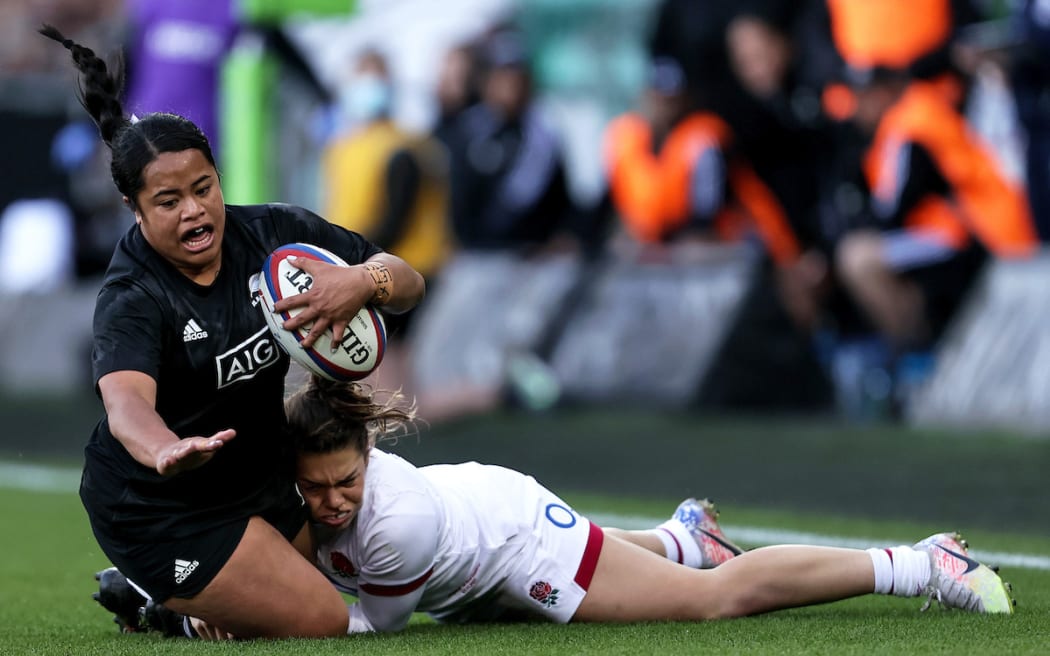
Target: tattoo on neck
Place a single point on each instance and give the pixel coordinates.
(383, 280)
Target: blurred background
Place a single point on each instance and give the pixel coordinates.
(801, 239)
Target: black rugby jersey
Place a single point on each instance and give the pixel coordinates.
(216, 367)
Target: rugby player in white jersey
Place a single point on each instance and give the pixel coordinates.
(472, 542)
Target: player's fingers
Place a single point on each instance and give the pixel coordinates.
(304, 318)
(294, 301)
(304, 263)
(204, 630)
(223, 436)
(338, 330)
(189, 453)
(316, 330)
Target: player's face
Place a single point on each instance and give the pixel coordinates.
(181, 213)
(332, 484)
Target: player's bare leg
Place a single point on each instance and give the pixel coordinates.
(755, 582)
(267, 589)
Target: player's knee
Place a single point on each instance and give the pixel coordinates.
(730, 598)
(858, 255)
(336, 619)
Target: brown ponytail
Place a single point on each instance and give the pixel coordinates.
(326, 416)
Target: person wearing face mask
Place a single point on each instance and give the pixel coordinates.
(388, 184)
(381, 180)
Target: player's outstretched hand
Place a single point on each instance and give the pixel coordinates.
(192, 452)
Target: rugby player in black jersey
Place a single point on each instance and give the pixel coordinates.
(187, 480)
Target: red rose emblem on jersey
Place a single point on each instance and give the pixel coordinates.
(542, 592)
(342, 565)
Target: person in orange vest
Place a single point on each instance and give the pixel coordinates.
(919, 36)
(675, 174)
(939, 202)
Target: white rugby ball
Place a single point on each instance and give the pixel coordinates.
(364, 341)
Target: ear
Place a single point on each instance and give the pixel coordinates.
(134, 210)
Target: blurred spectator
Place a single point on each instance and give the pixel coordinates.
(382, 181)
(457, 88)
(939, 202)
(676, 174)
(175, 54)
(1030, 78)
(693, 33)
(790, 135)
(917, 36)
(508, 179)
(791, 140)
(674, 171)
(389, 185)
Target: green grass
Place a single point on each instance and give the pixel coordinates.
(49, 554)
(875, 482)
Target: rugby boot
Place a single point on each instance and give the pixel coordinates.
(118, 597)
(700, 518)
(959, 581)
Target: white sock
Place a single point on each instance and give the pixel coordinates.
(679, 544)
(900, 571)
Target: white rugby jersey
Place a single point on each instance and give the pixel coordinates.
(438, 539)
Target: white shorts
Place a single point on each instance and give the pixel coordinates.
(549, 568)
(904, 249)
(553, 582)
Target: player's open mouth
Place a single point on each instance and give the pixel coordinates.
(199, 238)
(337, 519)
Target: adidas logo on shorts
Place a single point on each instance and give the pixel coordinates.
(192, 332)
(184, 568)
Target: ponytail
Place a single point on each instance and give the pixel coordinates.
(326, 416)
(133, 145)
(99, 89)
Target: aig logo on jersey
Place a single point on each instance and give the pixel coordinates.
(246, 359)
(193, 331)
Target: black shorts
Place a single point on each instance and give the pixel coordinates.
(184, 567)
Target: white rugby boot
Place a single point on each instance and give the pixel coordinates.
(700, 518)
(959, 581)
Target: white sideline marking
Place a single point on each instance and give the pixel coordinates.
(765, 536)
(38, 478)
(41, 478)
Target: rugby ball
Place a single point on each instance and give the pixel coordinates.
(364, 341)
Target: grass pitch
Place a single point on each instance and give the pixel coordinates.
(49, 556)
(872, 484)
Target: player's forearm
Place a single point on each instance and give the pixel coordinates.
(398, 287)
(139, 428)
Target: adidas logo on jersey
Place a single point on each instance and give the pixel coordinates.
(192, 332)
(184, 568)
